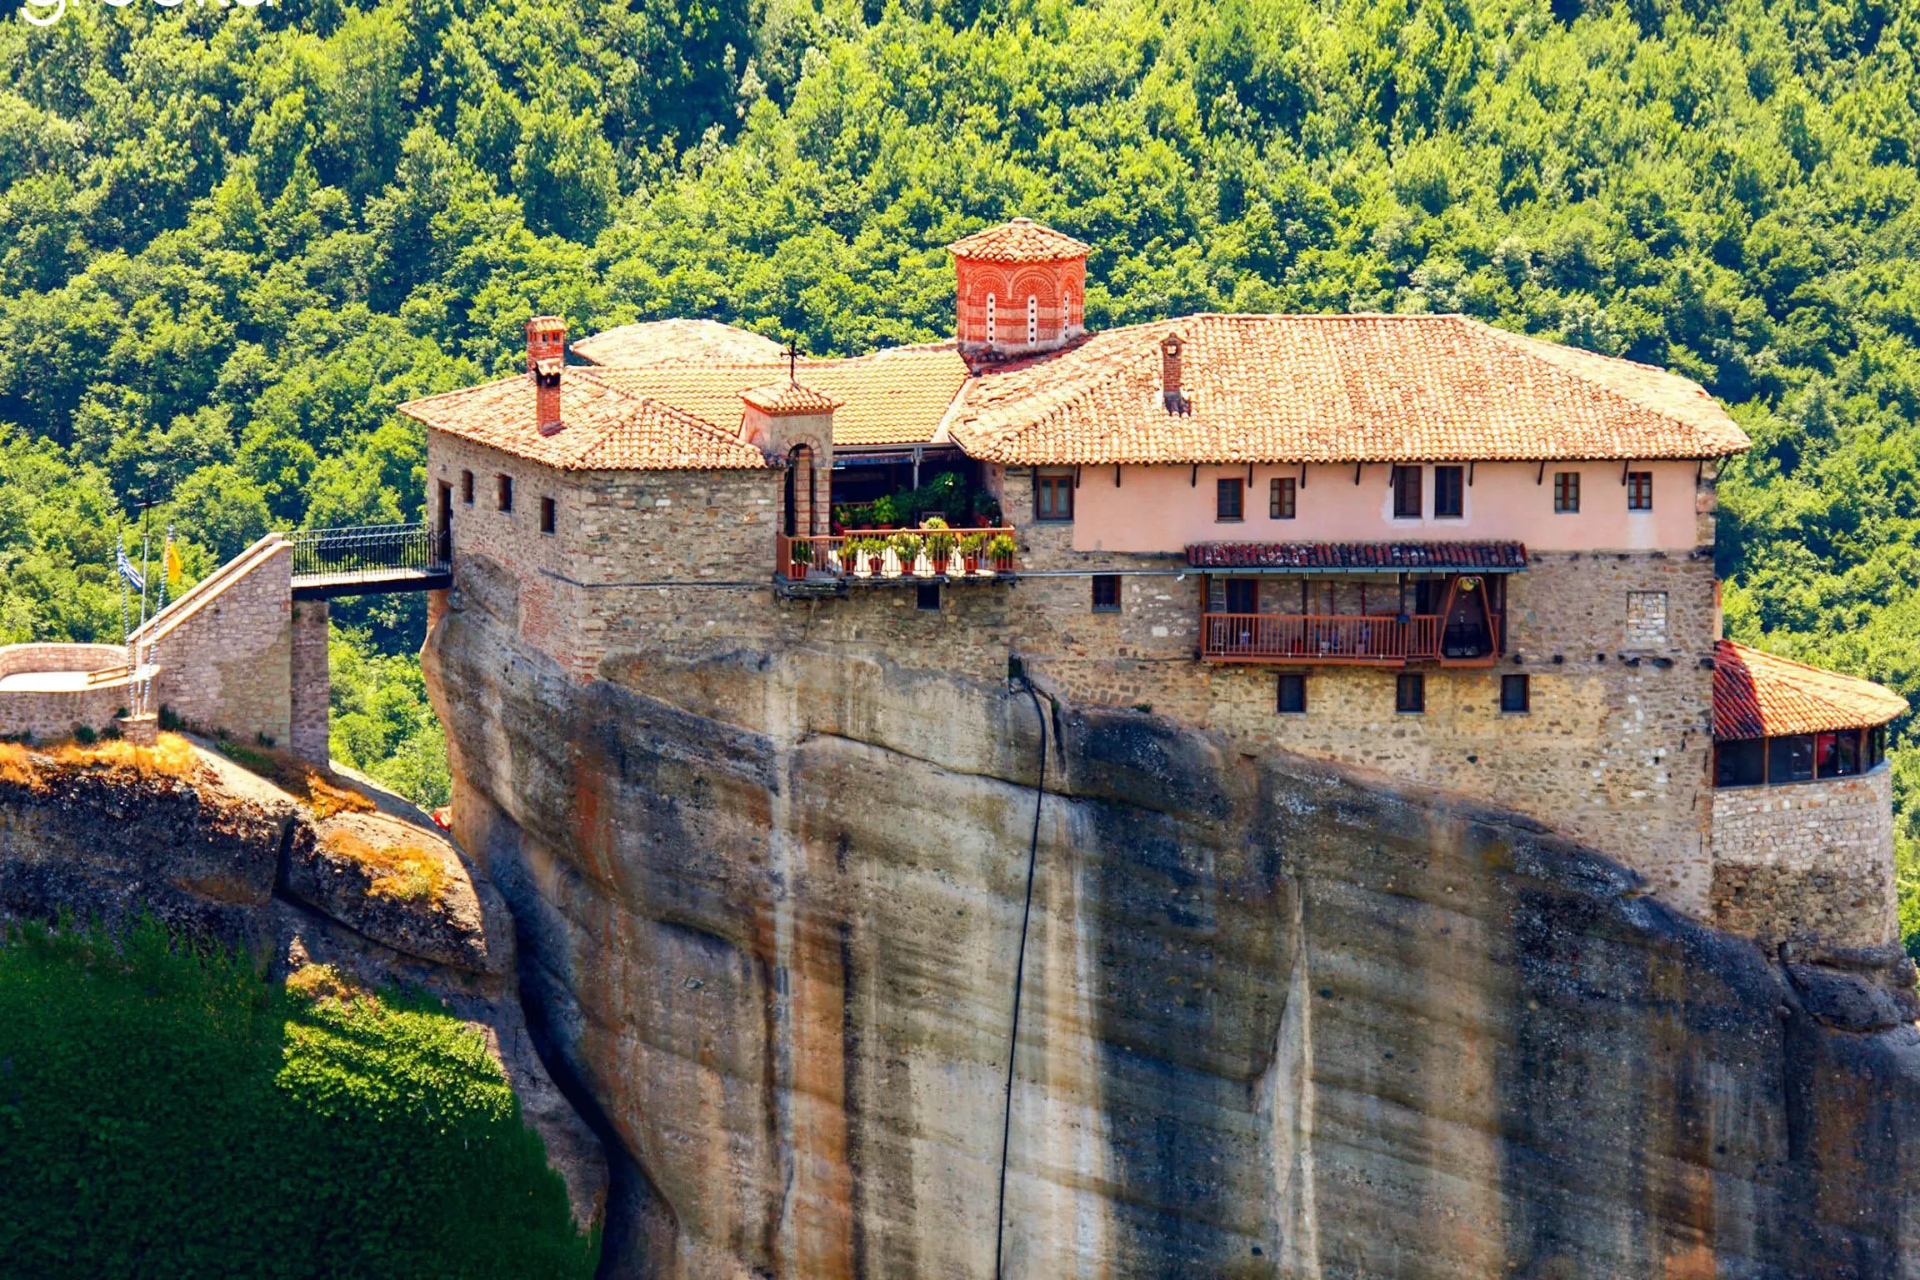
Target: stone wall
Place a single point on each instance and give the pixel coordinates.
(50, 713)
(310, 683)
(1807, 861)
(225, 649)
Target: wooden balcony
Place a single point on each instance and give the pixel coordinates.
(1384, 640)
(841, 559)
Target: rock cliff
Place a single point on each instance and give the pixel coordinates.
(1276, 1019)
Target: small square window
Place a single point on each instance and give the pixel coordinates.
(1640, 491)
(1282, 498)
(1449, 492)
(1566, 492)
(1410, 694)
(1293, 696)
(1229, 500)
(1407, 484)
(929, 597)
(1106, 593)
(506, 492)
(1053, 495)
(1516, 695)
(548, 515)
(466, 487)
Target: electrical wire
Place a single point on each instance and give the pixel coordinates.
(1019, 982)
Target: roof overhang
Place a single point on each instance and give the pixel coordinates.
(1358, 557)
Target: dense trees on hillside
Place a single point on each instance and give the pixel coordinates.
(231, 241)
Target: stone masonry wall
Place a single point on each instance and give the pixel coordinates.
(43, 713)
(676, 567)
(310, 684)
(225, 650)
(1807, 860)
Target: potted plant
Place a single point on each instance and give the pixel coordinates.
(940, 544)
(856, 553)
(1000, 551)
(907, 548)
(885, 513)
(971, 546)
(986, 509)
(800, 551)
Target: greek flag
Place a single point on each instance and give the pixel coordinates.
(131, 574)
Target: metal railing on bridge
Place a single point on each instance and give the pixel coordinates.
(370, 552)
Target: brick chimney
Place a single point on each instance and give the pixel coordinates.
(1172, 392)
(546, 357)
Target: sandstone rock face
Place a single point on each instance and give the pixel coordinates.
(1277, 1020)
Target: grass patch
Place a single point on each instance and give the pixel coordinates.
(404, 871)
(164, 1113)
(172, 756)
(311, 786)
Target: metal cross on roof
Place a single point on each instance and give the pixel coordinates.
(793, 361)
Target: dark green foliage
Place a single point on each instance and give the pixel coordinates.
(232, 240)
(165, 1113)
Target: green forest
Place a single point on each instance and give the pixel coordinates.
(232, 240)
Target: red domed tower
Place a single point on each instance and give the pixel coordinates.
(1022, 288)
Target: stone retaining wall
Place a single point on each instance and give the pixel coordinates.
(1807, 861)
(43, 714)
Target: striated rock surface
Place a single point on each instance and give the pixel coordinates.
(1277, 1019)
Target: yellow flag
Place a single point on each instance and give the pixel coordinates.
(173, 564)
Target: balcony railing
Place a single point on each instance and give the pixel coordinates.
(850, 556)
(368, 549)
(1383, 640)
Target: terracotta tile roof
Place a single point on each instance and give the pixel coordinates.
(1311, 388)
(789, 398)
(1020, 240)
(660, 340)
(1391, 557)
(893, 397)
(602, 427)
(1760, 695)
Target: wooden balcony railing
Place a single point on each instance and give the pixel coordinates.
(1385, 640)
(835, 557)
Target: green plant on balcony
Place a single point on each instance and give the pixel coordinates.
(907, 546)
(971, 545)
(940, 544)
(801, 551)
(933, 522)
(885, 513)
(1000, 551)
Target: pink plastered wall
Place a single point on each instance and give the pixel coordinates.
(1165, 508)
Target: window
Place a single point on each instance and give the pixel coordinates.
(1740, 764)
(1282, 498)
(548, 515)
(1053, 495)
(1838, 754)
(1566, 492)
(1293, 696)
(1033, 319)
(1516, 695)
(1106, 593)
(1449, 492)
(1406, 493)
(1229, 500)
(1243, 595)
(1876, 746)
(1790, 759)
(929, 598)
(1410, 694)
(506, 492)
(1639, 490)
(466, 487)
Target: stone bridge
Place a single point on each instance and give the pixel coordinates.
(242, 652)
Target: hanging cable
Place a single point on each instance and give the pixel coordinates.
(1019, 981)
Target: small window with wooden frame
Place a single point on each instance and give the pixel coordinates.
(1449, 493)
(1291, 699)
(1283, 498)
(1410, 694)
(466, 487)
(504, 492)
(1053, 495)
(1230, 501)
(1407, 486)
(1639, 490)
(1106, 593)
(549, 515)
(1566, 493)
